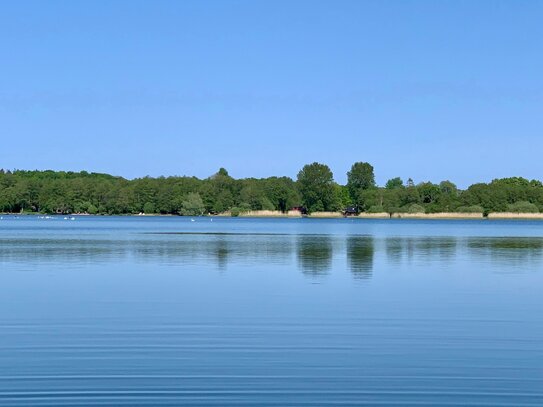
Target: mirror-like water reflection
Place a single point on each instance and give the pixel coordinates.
(315, 253)
(508, 251)
(360, 251)
(157, 312)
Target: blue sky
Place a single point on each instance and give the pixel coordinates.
(431, 90)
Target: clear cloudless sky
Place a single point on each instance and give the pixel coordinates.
(431, 90)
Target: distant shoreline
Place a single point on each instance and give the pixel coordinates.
(384, 215)
(327, 215)
(314, 191)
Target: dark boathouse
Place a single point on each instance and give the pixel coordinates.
(351, 211)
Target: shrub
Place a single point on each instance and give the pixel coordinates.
(416, 208)
(393, 209)
(244, 207)
(266, 204)
(376, 209)
(470, 209)
(192, 205)
(148, 208)
(523, 207)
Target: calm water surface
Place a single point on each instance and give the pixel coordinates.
(250, 312)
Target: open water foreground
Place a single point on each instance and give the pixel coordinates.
(170, 311)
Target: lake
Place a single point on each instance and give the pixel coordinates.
(169, 311)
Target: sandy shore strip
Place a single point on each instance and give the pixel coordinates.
(270, 214)
(377, 215)
(439, 215)
(336, 215)
(514, 215)
(326, 215)
(364, 215)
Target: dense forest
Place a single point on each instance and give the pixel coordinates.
(314, 189)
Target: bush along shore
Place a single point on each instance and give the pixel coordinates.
(313, 193)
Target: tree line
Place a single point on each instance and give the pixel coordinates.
(314, 189)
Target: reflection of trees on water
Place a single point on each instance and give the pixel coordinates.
(220, 250)
(360, 250)
(436, 248)
(45, 250)
(174, 250)
(509, 251)
(420, 248)
(394, 249)
(315, 254)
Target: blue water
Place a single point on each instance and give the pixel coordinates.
(123, 311)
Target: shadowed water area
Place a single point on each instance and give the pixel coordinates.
(125, 311)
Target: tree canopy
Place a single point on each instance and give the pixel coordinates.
(360, 178)
(92, 193)
(316, 184)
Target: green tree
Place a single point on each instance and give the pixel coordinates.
(221, 188)
(416, 208)
(523, 207)
(282, 192)
(394, 183)
(67, 191)
(252, 195)
(222, 172)
(342, 196)
(316, 183)
(360, 178)
(149, 207)
(470, 209)
(428, 192)
(447, 187)
(192, 205)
